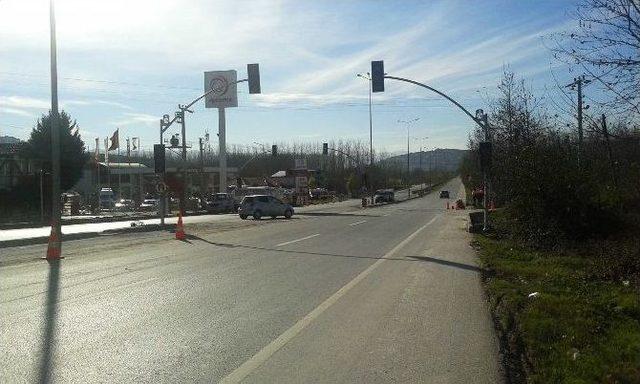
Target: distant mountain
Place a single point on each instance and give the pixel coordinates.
(9, 140)
(439, 159)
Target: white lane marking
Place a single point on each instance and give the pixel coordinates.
(385, 215)
(358, 223)
(296, 240)
(265, 353)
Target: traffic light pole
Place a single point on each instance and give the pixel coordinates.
(377, 82)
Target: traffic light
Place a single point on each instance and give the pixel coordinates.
(253, 76)
(325, 148)
(377, 76)
(158, 157)
(274, 150)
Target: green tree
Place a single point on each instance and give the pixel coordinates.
(72, 151)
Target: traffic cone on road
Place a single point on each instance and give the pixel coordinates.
(180, 235)
(53, 248)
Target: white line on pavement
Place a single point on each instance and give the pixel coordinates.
(358, 223)
(265, 353)
(296, 240)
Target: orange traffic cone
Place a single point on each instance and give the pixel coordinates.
(53, 248)
(180, 235)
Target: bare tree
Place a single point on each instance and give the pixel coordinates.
(606, 45)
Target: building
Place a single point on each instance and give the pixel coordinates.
(13, 165)
(128, 180)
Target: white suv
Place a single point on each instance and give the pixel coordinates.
(263, 205)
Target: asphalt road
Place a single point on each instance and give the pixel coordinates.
(387, 294)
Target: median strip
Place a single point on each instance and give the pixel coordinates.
(296, 240)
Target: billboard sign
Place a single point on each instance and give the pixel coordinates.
(225, 89)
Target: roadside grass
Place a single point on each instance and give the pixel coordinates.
(578, 328)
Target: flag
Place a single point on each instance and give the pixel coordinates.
(97, 154)
(135, 142)
(106, 152)
(115, 142)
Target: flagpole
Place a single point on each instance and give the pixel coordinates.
(106, 160)
(129, 169)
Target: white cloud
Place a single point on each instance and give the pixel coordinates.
(15, 111)
(24, 102)
(136, 118)
(136, 55)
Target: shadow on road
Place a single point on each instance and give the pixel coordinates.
(49, 331)
(412, 259)
(446, 262)
(333, 214)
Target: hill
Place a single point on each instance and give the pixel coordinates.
(439, 159)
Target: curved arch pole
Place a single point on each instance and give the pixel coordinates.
(477, 121)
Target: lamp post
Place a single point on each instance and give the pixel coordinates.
(55, 133)
(408, 123)
(422, 140)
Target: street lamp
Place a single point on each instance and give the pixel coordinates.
(422, 140)
(367, 77)
(408, 123)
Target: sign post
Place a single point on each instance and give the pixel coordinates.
(223, 85)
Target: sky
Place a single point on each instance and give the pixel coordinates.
(125, 63)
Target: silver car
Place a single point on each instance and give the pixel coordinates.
(263, 205)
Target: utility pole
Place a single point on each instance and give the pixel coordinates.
(55, 133)
(605, 132)
(577, 84)
(580, 135)
(485, 175)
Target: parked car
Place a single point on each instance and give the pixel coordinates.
(124, 204)
(149, 205)
(384, 196)
(318, 193)
(444, 194)
(221, 202)
(263, 205)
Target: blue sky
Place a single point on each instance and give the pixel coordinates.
(126, 63)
